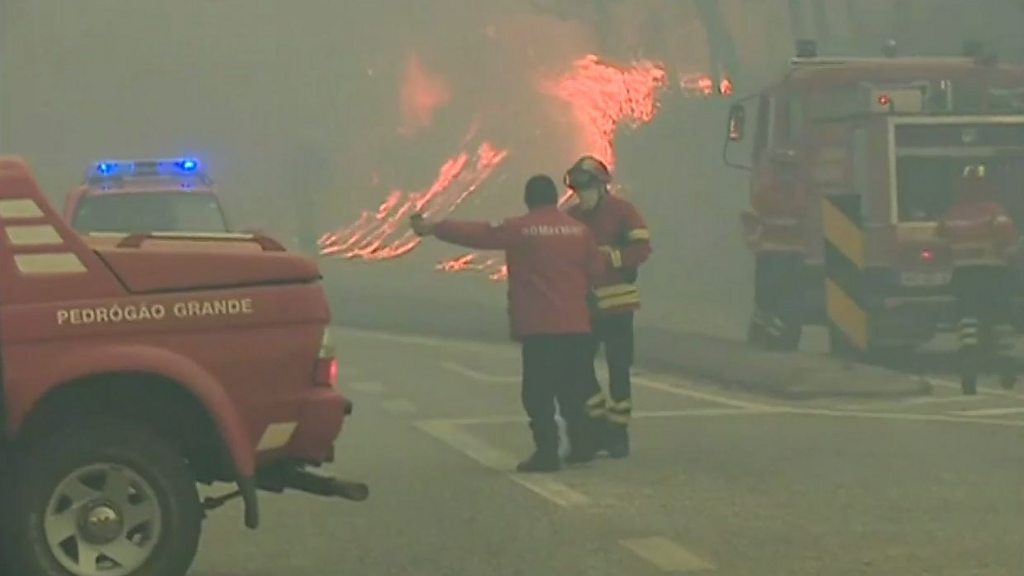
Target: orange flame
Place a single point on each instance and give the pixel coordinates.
(382, 234)
(422, 94)
(602, 98)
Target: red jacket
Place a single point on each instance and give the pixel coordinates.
(626, 244)
(552, 260)
(980, 233)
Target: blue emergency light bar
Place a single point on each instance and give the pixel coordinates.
(110, 170)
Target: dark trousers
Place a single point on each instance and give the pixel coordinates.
(614, 332)
(984, 299)
(555, 368)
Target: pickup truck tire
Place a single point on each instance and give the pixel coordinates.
(104, 499)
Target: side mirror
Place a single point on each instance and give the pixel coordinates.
(737, 122)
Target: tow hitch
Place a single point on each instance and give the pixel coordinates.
(279, 479)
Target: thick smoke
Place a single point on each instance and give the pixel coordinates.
(311, 113)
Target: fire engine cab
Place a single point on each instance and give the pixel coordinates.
(895, 133)
(161, 195)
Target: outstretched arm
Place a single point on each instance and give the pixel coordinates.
(478, 235)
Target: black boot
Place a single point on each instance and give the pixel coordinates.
(618, 441)
(581, 441)
(540, 461)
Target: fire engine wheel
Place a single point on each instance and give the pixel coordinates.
(105, 499)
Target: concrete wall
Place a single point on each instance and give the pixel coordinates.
(294, 106)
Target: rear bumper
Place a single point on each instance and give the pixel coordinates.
(899, 320)
(321, 418)
(897, 315)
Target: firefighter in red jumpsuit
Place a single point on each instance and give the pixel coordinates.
(982, 237)
(553, 262)
(626, 244)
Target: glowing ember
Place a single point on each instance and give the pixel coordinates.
(725, 87)
(602, 97)
(383, 233)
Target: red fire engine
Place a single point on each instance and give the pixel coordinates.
(894, 133)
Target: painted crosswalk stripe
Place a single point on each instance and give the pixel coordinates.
(456, 437)
(667, 555)
(991, 411)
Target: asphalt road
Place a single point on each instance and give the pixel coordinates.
(719, 483)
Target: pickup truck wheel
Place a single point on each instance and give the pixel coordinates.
(105, 499)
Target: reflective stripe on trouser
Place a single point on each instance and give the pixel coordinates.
(616, 295)
(969, 332)
(620, 412)
(770, 323)
(597, 405)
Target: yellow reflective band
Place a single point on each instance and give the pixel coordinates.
(614, 290)
(614, 255)
(616, 259)
(595, 412)
(19, 208)
(47, 263)
(618, 418)
(33, 235)
(612, 302)
(638, 234)
(596, 400)
(624, 406)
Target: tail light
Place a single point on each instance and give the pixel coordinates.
(326, 363)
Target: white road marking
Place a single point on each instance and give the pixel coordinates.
(471, 421)
(686, 391)
(277, 435)
(639, 380)
(367, 387)
(434, 342)
(456, 437)
(981, 391)
(942, 399)
(399, 406)
(904, 416)
(475, 375)
(991, 411)
(667, 555)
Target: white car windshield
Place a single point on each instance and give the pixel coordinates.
(171, 211)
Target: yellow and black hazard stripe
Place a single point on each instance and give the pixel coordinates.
(844, 272)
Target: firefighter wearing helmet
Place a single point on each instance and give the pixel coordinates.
(625, 244)
(981, 238)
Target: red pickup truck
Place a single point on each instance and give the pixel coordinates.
(134, 367)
